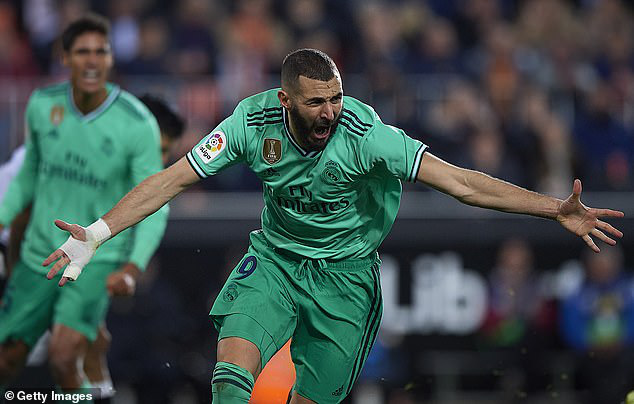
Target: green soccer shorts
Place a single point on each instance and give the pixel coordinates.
(330, 309)
(31, 303)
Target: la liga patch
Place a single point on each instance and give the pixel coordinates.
(211, 146)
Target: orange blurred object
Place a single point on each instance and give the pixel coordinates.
(276, 380)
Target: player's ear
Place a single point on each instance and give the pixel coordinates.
(285, 100)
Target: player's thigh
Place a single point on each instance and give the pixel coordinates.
(83, 304)
(95, 360)
(27, 306)
(66, 345)
(255, 305)
(335, 332)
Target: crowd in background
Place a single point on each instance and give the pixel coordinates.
(533, 91)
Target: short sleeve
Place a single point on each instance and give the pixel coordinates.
(390, 148)
(222, 147)
(145, 160)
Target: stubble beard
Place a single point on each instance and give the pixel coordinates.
(305, 128)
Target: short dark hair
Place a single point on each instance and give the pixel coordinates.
(89, 23)
(170, 123)
(310, 63)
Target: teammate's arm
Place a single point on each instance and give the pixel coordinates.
(16, 236)
(478, 189)
(143, 200)
(147, 235)
(146, 161)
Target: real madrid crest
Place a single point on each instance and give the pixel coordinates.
(272, 150)
(57, 114)
(332, 172)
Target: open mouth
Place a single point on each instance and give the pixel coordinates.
(322, 132)
(90, 75)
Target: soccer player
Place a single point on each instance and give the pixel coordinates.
(171, 126)
(332, 175)
(88, 143)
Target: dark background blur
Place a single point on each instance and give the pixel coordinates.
(480, 307)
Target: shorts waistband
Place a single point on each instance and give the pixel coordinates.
(345, 264)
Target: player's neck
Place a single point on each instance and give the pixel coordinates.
(292, 129)
(293, 132)
(88, 102)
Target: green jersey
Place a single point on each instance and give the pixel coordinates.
(76, 167)
(337, 203)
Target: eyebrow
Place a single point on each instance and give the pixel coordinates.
(321, 99)
(88, 49)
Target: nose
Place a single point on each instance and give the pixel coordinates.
(328, 111)
(92, 59)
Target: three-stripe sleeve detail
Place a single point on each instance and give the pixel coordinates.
(267, 116)
(418, 158)
(352, 122)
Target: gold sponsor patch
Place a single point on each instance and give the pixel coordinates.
(272, 150)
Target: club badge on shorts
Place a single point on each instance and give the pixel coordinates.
(272, 150)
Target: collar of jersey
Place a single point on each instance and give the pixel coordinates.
(291, 139)
(114, 93)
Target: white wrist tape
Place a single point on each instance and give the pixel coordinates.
(80, 252)
(99, 231)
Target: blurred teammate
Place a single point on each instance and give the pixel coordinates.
(171, 126)
(88, 143)
(332, 175)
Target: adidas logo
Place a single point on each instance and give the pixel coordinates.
(338, 391)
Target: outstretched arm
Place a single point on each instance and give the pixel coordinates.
(478, 189)
(143, 200)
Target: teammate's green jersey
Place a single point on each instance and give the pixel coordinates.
(77, 166)
(337, 203)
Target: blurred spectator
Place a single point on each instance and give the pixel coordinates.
(253, 38)
(437, 68)
(154, 42)
(437, 51)
(41, 20)
(125, 29)
(487, 152)
(193, 46)
(16, 56)
(606, 147)
(473, 19)
(520, 320)
(450, 120)
(597, 321)
(514, 301)
(542, 142)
